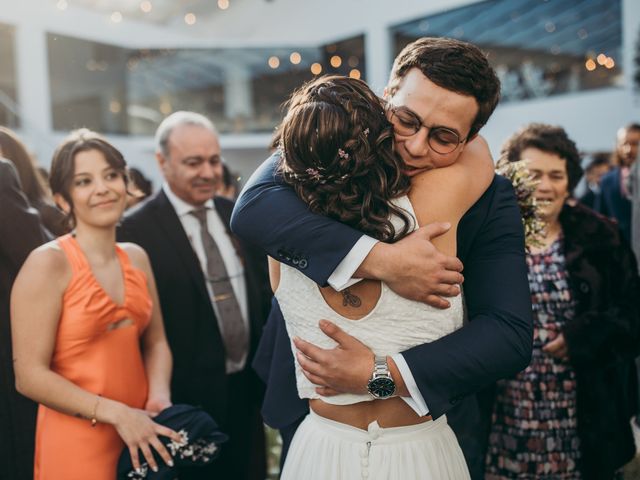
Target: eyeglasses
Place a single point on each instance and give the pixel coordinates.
(406, 123)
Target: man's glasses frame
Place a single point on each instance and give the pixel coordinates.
(406, 123)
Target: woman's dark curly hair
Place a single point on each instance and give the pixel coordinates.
(550, 139)
(337, 153)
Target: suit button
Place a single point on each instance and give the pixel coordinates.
(303, 263)
(584, 287)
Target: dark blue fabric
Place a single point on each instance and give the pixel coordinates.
(198, 425)
(611, 203)
(496, 343)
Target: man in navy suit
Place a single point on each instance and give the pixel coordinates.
(497, 340)
(614, 199)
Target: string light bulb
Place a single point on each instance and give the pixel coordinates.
(274, 62)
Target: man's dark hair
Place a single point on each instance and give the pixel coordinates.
(596, 160)
(550, 139)
(455, 65)
(632, 126)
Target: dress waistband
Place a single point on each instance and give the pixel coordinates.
(376, 432)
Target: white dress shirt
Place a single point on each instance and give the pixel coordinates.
(341, 278)
(232, 262)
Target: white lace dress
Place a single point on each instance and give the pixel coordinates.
(324, 449)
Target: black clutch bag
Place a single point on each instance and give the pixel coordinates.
(201, 440)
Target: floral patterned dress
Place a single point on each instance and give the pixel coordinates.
(534, 424)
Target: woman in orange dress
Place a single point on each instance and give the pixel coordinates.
(88, 339)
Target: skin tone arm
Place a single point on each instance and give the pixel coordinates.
(155, 349)
(45, 275)
(347, 367)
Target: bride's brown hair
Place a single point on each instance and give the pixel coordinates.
(337, 153)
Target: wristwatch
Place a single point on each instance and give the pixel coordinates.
(381, 385)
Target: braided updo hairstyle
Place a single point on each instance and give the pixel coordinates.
(337, 152)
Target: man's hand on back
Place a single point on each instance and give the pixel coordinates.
(414, 268)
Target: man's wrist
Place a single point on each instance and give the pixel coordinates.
(401, 387)
(376, 264)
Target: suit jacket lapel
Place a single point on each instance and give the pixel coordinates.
(168, 220)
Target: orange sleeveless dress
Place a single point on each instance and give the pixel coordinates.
(104, 361)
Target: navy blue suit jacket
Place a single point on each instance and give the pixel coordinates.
(611, 203)
(496, 342)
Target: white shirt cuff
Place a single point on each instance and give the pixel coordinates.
(341, 277)
(416, 400)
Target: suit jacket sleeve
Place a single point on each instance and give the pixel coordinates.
(270, 215)
(20, 228)
(497, 341)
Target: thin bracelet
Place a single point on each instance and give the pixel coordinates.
(94, 420)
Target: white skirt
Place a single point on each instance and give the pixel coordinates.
(324, 449)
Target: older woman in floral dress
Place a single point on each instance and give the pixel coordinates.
(567, 415)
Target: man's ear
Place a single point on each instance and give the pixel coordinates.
(62, 203)
(161, 160)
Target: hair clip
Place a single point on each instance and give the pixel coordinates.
(366, 132)
(342, 154)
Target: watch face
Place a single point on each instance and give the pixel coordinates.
(382, 387)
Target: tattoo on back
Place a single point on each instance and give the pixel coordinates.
(349, 299)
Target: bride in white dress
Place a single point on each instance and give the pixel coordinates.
(336, 147)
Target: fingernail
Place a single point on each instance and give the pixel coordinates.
(324, 323)
(155, 469)
(170, 463)
(446, 225)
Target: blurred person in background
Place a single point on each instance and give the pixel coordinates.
(21, 231)
(12, 148)
(139, 187)
(614, 200)
(595, 167)
(230, 185)
(568, 414)
(92, 350)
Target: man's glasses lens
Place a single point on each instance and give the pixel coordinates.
(406, 123)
